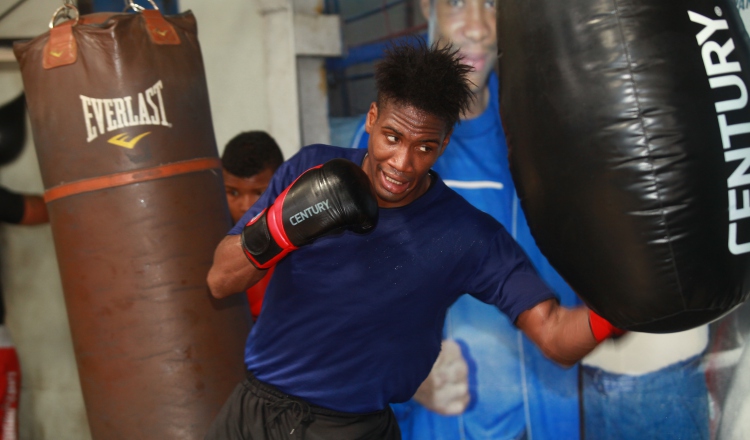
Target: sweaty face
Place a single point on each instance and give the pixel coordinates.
(242, 192)
(471, 27)
(404, 144)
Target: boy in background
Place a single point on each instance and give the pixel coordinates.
(248, 163)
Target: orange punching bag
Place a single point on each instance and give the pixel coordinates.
(122, 127)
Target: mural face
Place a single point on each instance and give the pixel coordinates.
(470, 26)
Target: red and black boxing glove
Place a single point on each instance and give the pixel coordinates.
(601, 328)
(325, 199)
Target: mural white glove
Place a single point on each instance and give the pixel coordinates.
(446, 389)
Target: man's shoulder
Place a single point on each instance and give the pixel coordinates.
(317, 154)
(465, 211)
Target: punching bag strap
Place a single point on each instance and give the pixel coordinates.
(159, 29)
(126, 178)
(61, 48)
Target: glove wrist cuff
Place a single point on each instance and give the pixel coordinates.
(601, 328)
(259, 245)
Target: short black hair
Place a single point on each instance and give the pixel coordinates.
(430, 78)
(251, 152)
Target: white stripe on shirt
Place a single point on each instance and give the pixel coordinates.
(474, 184)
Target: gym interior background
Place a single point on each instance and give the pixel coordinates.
(299, 69)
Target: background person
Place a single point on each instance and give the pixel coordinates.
(248, 163)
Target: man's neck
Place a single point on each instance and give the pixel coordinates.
(478, 104)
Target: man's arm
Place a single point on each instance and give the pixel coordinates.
(564, 335)
(34, 210)
(231, 271)
(23, 209)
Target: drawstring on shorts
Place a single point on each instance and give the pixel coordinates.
(300, 410)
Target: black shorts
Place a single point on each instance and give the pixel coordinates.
(258, 411)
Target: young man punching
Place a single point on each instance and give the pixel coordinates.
(490, 375)
(370, 248)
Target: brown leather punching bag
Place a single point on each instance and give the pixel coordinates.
(122, 127)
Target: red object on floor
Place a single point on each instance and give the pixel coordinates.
(10, 389)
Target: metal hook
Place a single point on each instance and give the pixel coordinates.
(67, 7)
(138, 8)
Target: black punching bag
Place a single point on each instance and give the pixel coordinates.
(629, 135)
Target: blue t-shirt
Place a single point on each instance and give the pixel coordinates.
(354, 322)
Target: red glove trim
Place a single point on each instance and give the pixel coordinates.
(248, 254)
(270, 263)
(601, 328)
(275, 222)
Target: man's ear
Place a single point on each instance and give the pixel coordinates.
(372, 116)
(445, 142)
(425, 6)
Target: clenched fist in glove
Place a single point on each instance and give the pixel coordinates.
(325, 199)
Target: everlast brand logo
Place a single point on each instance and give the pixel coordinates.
(308, 212)
(721, 73)
(105, 115)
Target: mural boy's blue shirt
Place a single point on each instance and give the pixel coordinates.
(354, 322)
(512, 384)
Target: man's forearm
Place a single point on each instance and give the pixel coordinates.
(35, 210)
(231, 271)
(572, 339)
(563, 334)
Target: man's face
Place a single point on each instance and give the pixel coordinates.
(471, 27)
(404, 144)
(243, 192)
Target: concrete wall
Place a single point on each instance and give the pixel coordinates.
(51, 405)
(232, 42)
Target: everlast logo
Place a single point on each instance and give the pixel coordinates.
(721, 74)
(308, 212)
(105, 115)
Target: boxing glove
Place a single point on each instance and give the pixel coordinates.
(325, 199)
(601, 328)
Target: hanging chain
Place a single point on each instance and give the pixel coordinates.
(68, 11)
(130, 4)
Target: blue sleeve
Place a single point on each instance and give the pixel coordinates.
(506, 278)
(567, 296)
